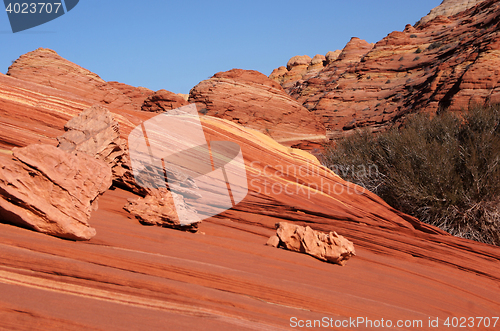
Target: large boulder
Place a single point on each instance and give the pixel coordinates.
(51, 191)
(163, 208)
(95, 132)
(329, 247)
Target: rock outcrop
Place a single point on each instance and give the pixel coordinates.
(325, 247)
(445, 63)
(162, 101)
(162, 208)
(51, 191)
(251, 99)
(95, 132)
(448, 8)
(45, 67)
(137, 95)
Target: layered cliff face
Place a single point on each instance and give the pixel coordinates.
(445, 63)
(45, 67)
(251, 99)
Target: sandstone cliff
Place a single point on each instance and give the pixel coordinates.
(448, 8)
(445, 63)
(251, 99)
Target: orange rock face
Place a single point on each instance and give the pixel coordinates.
(46, 67)
(162, 101)
(449, 8)
(445, 63)
(159, 208)
(51, 191)
(251, 99)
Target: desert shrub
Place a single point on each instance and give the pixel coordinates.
(435, 45)
(443, 170)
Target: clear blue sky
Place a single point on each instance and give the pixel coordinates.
(174, 45)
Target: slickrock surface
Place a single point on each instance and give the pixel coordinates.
(225, 278)
(162, 101)
(251, 99)
(326, 247)
(445, 63)
(33, 113)
(159, 208)
(448, 8)
(51, 191)
(45, 67)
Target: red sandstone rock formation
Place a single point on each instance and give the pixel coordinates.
(51, 191)
(325, 247)
(137, 95)
(162, 207)
(95, 132)
(448, 8)
(445, 63)
(33, 113)
(251, 99)
(162, 101)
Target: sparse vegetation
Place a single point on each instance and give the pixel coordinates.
(434, 45)
(444, 171)
(418, 51)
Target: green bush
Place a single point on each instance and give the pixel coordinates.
(444, 171)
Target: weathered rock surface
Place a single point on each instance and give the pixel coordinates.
(95, 132)
(448, 8)
(162, 101)
(137, 95)
(45, 67)
(445, 63)
(51, 191)
(251, 99)
(162, 207)
(326, 247)
(31, 113)
(301, 67)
